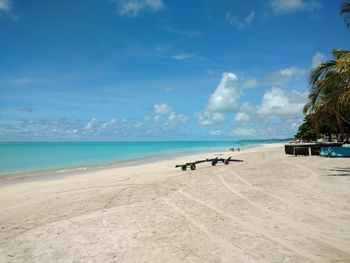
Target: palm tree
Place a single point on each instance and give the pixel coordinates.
(345, 10)
(329, 96)
(329, 99)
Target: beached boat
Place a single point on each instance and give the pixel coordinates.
(335, 151)
(307, 148)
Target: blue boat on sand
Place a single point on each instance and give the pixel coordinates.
(335, 151)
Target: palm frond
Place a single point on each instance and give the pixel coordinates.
(329, 97)
(345, 11)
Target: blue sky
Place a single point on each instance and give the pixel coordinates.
(159, 69)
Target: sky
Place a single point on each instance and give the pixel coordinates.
(160, 69)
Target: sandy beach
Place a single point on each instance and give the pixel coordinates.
(269, 208)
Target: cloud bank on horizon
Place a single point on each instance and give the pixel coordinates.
(148, 70)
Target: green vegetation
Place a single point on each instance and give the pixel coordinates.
(345, 11)
(306, 131)
(328, 109)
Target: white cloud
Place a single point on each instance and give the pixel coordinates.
(242, 117)
(182, 56)
(27, 109)
(290, 72)
(226, 98)
(169, 88)
(6, 8)
(162, 48)
(226, 95)
(109, 124)
(42, 129)
(318, 59)
(154, 5)
(249, 18)
(283, 76)
(163, 112)
(90, 125)
(246, 106)
(162, 108)
(210, 118)
(250, 83)
(291, 6)
(243, 132)
(133, 7)
(185, 33)
(277, 103)
(240, 24)
(215, 133)
(138, 124)
(5, 5)
(157, 118)
(175, 118)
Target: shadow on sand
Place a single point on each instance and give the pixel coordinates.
(340, 171)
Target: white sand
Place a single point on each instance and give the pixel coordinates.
(270, 208)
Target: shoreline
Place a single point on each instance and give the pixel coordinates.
(55, 173)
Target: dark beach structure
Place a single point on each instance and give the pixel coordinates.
(310, 148)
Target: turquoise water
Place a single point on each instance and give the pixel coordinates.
(26, 157)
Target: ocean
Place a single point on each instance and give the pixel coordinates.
(16, 157)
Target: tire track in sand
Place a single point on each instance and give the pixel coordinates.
(254, 230)
(293, 224)
(243, 253)
(280, 199)
(312, 180)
